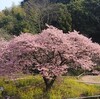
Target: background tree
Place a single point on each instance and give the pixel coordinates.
(13, 21)
(58, 16)
(34, 9)
(31, 16)
(47, 11)
(42, 2)
(86, 17)
(51, 53)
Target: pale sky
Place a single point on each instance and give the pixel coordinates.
(8, 3)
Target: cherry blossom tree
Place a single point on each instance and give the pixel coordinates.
(51, 53)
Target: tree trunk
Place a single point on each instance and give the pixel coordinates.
(48, 83)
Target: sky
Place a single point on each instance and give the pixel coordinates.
(8, 3)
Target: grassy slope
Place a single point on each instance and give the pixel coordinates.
(32, 87)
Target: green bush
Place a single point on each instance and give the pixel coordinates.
(28, 81)
(31, 93)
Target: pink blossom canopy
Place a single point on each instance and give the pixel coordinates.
(51, 52)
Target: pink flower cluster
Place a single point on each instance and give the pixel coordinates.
(51, 52)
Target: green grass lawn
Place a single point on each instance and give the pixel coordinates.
(32, 87)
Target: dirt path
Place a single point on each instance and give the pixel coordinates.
(90, 79)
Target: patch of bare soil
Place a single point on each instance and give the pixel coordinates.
(90, 79)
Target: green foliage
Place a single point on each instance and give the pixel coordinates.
(32, 87)
(58, 16)
(31, 93)
(4, 34)
(28, 81)
(10, 89)
(69, 87)
(85, 16)
(44, 11)
(31, 16)
(14, 20)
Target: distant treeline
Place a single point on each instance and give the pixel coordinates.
(68, 15)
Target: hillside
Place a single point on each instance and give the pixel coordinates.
(67, 15)
(44, 1)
